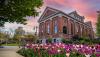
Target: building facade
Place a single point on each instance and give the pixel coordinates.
(56, 24)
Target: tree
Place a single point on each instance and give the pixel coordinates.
(98, 25)
(19, 33)
(4, 37)
(31, 37)
(1, 36)
(15, 10)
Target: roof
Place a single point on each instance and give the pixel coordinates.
(45, 12)
(56, 11)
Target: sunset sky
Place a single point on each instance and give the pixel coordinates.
(85, 8)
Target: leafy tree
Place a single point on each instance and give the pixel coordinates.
(17, 37)
(32, 37)
(4, 37)
(98, 24)
(19, 33)
(1, 36)
(15, 10)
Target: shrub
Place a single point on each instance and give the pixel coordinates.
(76, 54)
(67, 41)
(49, 40)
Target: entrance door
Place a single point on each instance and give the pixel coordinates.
(64, 29)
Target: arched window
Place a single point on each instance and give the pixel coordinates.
(64, 29)
(48, 28)
(55, 27)
(76, 26)
(42, 31)
(42, 28)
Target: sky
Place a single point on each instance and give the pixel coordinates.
(85, 8)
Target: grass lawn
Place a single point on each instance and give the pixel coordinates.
(13, 44)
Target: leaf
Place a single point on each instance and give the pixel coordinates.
(15, 10)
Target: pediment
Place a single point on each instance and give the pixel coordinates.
(75, 15)
(47, 12)
(89, 23)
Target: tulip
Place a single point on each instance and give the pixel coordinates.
(58, 48)
(67, 54)
(59, 51)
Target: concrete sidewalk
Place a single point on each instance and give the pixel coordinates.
(9, 51)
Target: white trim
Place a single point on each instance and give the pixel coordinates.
(46, 9)
(52, 17)
(60, 15)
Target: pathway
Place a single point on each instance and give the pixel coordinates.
(9, 51)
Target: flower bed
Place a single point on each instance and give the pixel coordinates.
(58, 50)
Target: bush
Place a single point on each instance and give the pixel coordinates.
(67, 41)
(76, 54)
(49, 40)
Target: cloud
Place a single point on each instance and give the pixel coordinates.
(85, 8)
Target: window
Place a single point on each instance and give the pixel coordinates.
(41, 29)
(76, 27)
(55, 27)
(81, 28)
(48, 28)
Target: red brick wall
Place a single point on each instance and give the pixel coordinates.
(63, 21)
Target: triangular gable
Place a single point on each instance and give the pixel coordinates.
(75, 15)
(47, 12)
(89, 23)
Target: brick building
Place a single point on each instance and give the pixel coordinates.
(56, 24)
